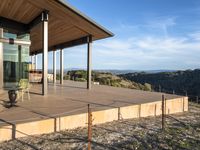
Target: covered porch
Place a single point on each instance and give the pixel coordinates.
(49, 26)
(42, 26)
(72, 98)
(66, 107)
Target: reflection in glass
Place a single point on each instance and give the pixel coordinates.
(16, 60)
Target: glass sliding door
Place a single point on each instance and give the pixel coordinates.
(15, 60)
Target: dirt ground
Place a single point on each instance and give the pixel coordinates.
(182, 131)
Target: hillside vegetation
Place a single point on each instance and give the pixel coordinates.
(180, 82)
(106, 79)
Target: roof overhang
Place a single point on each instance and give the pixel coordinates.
(67, 26)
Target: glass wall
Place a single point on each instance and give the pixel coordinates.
(15, 60)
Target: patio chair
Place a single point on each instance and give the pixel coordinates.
(24, 87)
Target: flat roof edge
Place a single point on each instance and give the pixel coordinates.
(65, 4)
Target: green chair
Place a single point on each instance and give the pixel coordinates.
(24, 87)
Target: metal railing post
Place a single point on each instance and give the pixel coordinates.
(89, 127)
(163, 112)
(119, 113)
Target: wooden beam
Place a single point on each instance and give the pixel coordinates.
(12, 25)
(69, 44)
(21, 28)
(38, 20)
(72, 43)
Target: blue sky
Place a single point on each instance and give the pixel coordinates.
(149, 35)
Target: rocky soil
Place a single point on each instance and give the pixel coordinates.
(182, 132)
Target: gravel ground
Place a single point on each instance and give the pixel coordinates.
(182, 132)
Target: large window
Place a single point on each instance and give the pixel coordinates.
(15, 60)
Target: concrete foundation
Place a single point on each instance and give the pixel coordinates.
(11, 131)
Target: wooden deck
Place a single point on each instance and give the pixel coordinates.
(73, 98)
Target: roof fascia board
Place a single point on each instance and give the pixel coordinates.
(67, 5)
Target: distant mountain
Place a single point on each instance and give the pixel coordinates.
(115, 71)
(65, 70)
(180, 82)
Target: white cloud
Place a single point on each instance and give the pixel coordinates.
(114, 44)
(162, 23)
(149, 51)
(140, 53)
(195, 36)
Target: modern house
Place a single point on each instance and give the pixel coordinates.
(30, 27)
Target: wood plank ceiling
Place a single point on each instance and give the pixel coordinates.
(64, 24)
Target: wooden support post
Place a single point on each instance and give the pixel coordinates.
(61, 67)
(163, 112)
(89, 62)
(54, 66)
(45, 53)
(35, 62)
(89, 127)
